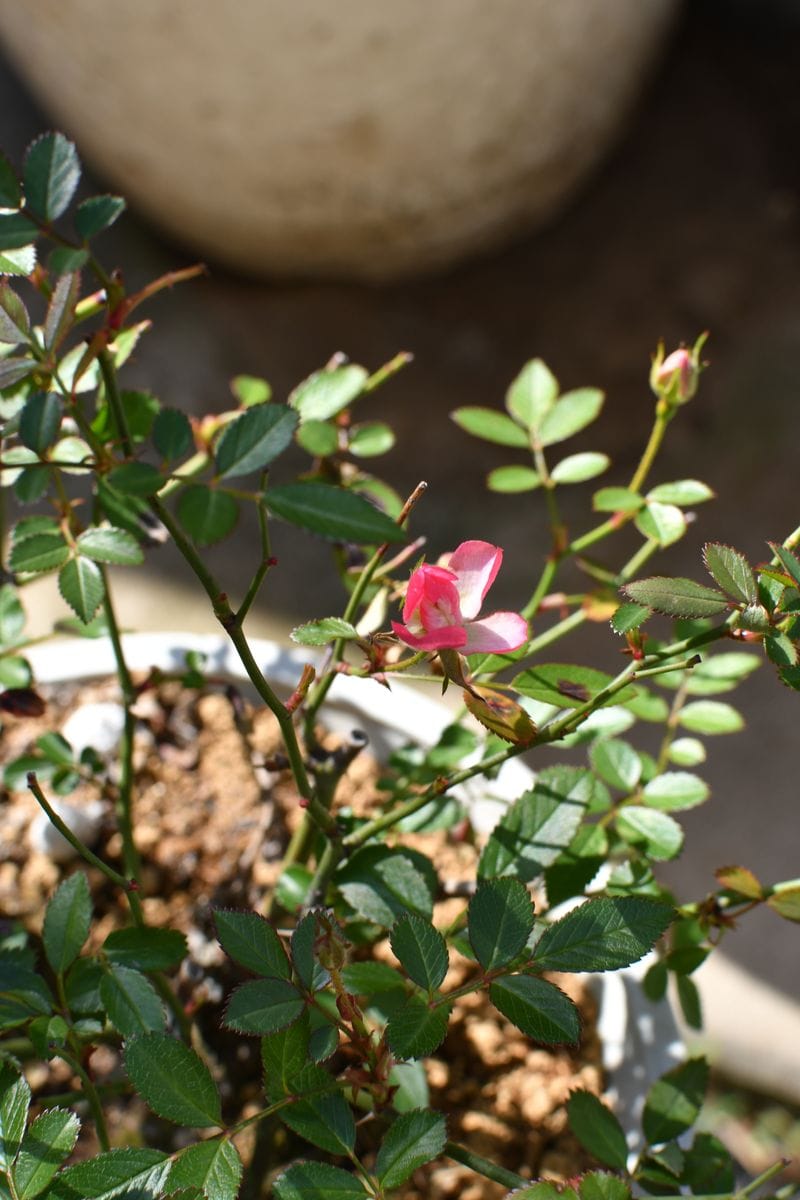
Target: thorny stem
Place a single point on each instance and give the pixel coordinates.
(263, 567)
(323, 686)
(484, 1166)
(123, 802)
(109, 373)
(128, 886)
(83, 850)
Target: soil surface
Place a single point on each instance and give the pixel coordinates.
(211, 820)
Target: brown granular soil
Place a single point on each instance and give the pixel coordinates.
(212, 816)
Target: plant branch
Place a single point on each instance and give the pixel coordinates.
(484, 1166)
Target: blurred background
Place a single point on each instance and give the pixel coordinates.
(665, 205)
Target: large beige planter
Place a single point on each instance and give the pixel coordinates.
(360, 138)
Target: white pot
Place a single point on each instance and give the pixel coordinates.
(640, 1040)
(360, 139)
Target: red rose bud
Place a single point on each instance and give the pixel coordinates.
(675, 377)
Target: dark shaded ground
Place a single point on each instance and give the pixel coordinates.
(693, 223)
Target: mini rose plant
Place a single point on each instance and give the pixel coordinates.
(343, 970)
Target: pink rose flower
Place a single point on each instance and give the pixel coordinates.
(442, 604)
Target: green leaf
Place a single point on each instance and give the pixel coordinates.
(61, 309)
(657, 834)
(414, 1139)
(532, 394)
(789, 560)
(285, 1055)
(373, 978)
(538, 825)
(597, 1129)
(577, 468)
(421, 950)
(687, 752)
(130, 1173)
(325, 1121)
(171, 1078)
(664, 522)
(131, 1002)
(731, 571)
(710, 717)
(676, 597)
(15, 1098)
(332, 513)
(251, 941)
(12, 615)
(511, 480)
(577, 865)
(673, 1103)
(689, 1000)
(617, 763)
(383, 884)
(304, 942)
(566, 685)
(145, 949)
(320, 438)
(139, 410)
(327, 392)
(66, 261)
(674, 791)
(15, 672)
(603, 934)
(785, 901)
(597, 1185)
(254, 439)
(683, 492)
(250, 390)
(629, 616)
(172, 433)
(50, 176)
(616, 499)
(27, 995)
(370, 440)
(10, 191)
(491, 426)
(207, 515)
(264, 1006)
(317, 1181)
(16, 231)
(40, 421)
(213, 1166)
(15, 324)
(136, 479)
(499, 922)
(538, 1008)
(415, 1030)
(411, 1082)
(80, 582)
(319, 633)
(39, 552)
(571, 412)
(49, 1140)
(109, 545)
(66, 922)
(790, 676)
(82, 986)
(18, 262)
(781, 650)
(716, 673)
(708, 1167)
(97, 213)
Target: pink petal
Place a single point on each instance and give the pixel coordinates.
(424, 581)
(496, 634)
(475, 565)
(449, 637)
